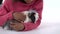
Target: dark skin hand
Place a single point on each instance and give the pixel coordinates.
(19, 16)
(18, 23)
(17, 26)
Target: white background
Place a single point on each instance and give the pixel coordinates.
(50, 20)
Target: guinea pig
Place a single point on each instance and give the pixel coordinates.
(31, 16)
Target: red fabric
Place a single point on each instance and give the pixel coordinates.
(9, 7)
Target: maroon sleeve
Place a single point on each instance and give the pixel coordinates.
(38, 7)
(5, 13)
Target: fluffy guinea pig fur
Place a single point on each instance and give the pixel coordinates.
(31, 16)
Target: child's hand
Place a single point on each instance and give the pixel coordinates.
(16, 26)
(19, 16)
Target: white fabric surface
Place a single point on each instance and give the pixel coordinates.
(50, 21)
